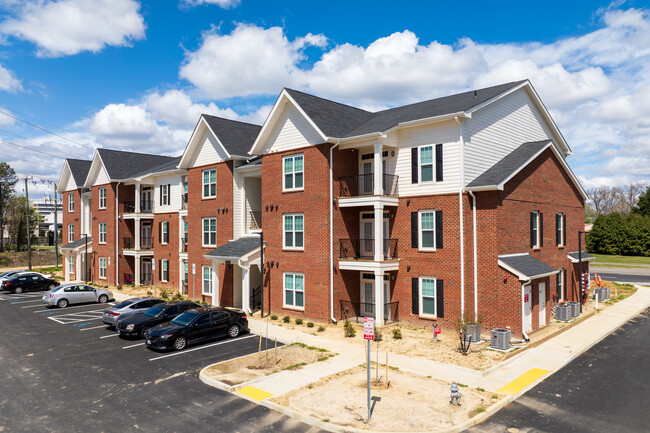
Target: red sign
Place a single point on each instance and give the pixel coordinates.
(437, 330)
(368, 328)
(526, 297)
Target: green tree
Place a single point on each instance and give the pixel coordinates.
(17, 221)
(643, 205)
(8, 180)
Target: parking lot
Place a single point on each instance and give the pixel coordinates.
(65, 371)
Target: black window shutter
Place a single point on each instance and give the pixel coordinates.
(161, 202)
(533, 236)
(440, 300)
(558, 282)
(415, 296)
(414, 165)
(438, 162)
(414, 230)
(169, 194)
(558, 229)
(541, 229)
(160, 232)
(564, 230)
(439, 229)
(159, 269)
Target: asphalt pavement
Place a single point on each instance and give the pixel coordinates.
(62, 371)
(623, 275)
(604, 390)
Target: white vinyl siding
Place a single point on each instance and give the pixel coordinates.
(208, 151)
(102, 268)
(102, 198)
(206, 287)
(294, 231)
(294, 290)
(499, 128)
(428, 306)
(209, 232)
(293, 176)
(209, 183)
(175, 194)
(102, 233)
(292, 131)
(71, 202)
(70, 232)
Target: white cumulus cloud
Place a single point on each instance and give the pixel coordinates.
(221, 3)
(8, 81)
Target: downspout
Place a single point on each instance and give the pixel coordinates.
(332, 235)
(523, 315)
(247, 303)
(471, 193)
(460, 214)
(117, 233)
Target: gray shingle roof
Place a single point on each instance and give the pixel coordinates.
(79, 169)
(509, 165)
(527, 265)
(172, 164)
(236, 137)
(120, 164)
(235, 249)
(585, 256)
(339, 120)
(79, 242)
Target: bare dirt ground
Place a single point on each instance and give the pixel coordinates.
(407, 405)
(18, 260)
(252, 366)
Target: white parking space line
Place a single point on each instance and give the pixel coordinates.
(94, 327)
(67, 308)
(66, 319)
(202, 347)
(32, 306)
(134, 345)
(109, 336)
(25, 302)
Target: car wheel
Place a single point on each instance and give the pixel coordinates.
(18, 290)
(62, 303)
(180, 343)
(233, 331)
(103, 299)
(51, 287)
(144, 331)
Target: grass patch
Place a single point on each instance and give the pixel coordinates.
(321, 328)
(294, 366)
(480, 389)
(479, 410)
(611, 258)
(495, 397)
(462, 385)
(304, 346)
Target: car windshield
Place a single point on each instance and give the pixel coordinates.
(123, 304)
(154, 311)
(58, 288)
(185, 318)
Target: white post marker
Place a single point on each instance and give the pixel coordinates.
(153, 275)
(369, 335)
(193, 281)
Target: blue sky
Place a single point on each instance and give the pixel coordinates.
(135, 75)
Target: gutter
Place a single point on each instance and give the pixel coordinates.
(117, 233)
(461, 217)
(331, 206)
(475, 264)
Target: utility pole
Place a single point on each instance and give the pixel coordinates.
(29, 242)
(56, 228)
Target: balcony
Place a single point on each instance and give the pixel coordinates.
(146, 206)
(254, 220)
(145, 243)
(184, 244)
(184, 201)
(364, 249)
(363, 185)
(356, 311)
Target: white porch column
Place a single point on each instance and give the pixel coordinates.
(137, 197)
(215, 283)
(136, 275)
(79, 269)
(246, 288)
(378, 170)
(66, 275)
(379, 298)
(379, 232)
(180, 233)
(137, 232)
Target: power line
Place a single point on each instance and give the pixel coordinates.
(32, 141)
(45, 130)
(32, 149)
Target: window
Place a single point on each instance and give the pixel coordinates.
(185, 272)
(428, 297)
(560, 285)
(536, 229)
(70, 232)
(293, 172)
(210, 183)
(164, 232)
(165, 191)
(207, 280)
(209, 232)
(102, 233)
(102, 198)
(70, 202)
(102, 267)
(70, 264)
(560, 229)
(164, 270)
(426, 230)
(294, 290)
(426, 164)
(424, 167)
(294, 231)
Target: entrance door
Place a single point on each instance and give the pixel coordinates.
(145, 272)
(528, 302)
(146, 200)
(542, 304)
(145, 236)
(367, 231)
(386, 301)
(368, 296)
(367, 168)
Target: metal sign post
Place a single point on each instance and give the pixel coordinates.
(193, 281)
(153, 275)
(368, 335)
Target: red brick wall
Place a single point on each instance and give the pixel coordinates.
(71, 217)
(106, 215)
(167, 251)
(219, 207)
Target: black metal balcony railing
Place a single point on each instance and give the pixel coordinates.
(364, 184)
(146, 206)
(254, 220)
(145, 243)
(145, 279)
(353, 310)
(184, 244)
(129, 280)
(129, 244)
(365, 249)
(184, 200)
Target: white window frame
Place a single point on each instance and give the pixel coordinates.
(537, 231)
(102, 234)
(294, 231)
(209, 183)
(164, 195)
(432, 163)
(208, 280)
(293, 172)
(70, 202)
(420, 230)
(421, 298)
(164, 263)
(70, 232)
(561, 244)
(561, 279)
(203, 232)
(164, 235)
(71, 266)
(102, 198)
(292, 289)
(102, 268)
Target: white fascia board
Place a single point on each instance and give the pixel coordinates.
(217, 138)
(66, 173)
(514, 271)
(483, 188)
(512, 255)
(192, 144)
(586, 259)
(96, 165)
(434, 119)
(249, 168)
(497, 97)
(573, 177)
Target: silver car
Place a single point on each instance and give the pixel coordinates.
(126, 308)
(67, 294)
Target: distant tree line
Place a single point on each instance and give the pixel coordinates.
(13, 213)
(622, 224)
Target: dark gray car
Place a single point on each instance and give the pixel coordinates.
(126, 308)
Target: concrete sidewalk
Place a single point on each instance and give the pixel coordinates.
(512, 377)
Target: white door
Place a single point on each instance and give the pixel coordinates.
(528, 302)
(368, 298)
(367, 231)
(386, 301)
(146, 200)
(367, 169)
(145, 236)
(542, 304)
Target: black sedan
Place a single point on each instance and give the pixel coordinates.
(28, 281)
(195, 326)
(137, 325)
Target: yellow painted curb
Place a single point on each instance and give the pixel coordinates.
(522, 381)
(255, 393)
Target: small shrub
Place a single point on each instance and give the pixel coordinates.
(119, 287)
(274, 317)
(397, 334)
(298, 321)
(164, 293)
(286, 319)
(378, 335)
(348, 329)
(480, 389)
(321, 328)
(149, 293)
(479, 410)
(177, 297)
(310, 324)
